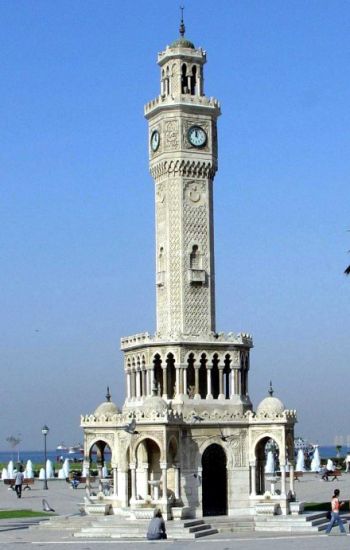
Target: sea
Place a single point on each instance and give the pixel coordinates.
(37, 457)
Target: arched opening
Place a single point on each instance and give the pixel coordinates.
(158, 374)
(190, 383)
(267, 462)
(226, 374)
(214, 481)
(203, 376)
(195, 258)
(193, 80)
(100, 456)
(148, 471)
(215, 387)
(184, 85)
(171, 376)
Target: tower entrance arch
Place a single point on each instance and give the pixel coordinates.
(214, 481)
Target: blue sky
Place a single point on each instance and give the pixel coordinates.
(76, 199)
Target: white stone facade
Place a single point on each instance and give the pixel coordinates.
(187, 431)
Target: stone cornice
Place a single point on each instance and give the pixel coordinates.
(183, 167)
(218, 339)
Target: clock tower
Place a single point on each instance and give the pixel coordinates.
(187, 439)
(183, 162)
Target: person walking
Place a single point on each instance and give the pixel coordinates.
(156, 528)
(335, 517)
(19, 478)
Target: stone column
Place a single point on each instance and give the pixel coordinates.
(291, 478)
(86, 466)
(123, 487)
(133, 481)
(196, 382)
(232, 384)
(221, 382)
(184, 380)
(209, 394)
(115, 480)
(151, 381)
(138, 384)
(128, 384)
(177, 379)
(177, 482)
(144, 383)
(164, 469)
(283, 479)
(237, 384)
(133, 384)
(165, 381)
(253, 478)
(147, 489)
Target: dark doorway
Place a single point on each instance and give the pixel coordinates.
(214, 481)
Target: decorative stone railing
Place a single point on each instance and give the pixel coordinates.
(145, 338)
(185, 98)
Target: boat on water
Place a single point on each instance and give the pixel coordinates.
(61, 447)
(73, 449)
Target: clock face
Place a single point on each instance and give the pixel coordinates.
(155, 140)
(197, 136)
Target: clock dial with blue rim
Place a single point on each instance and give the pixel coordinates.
(155, 140)
(197, 136)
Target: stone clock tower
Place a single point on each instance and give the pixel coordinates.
(187, 439)
(183, 162)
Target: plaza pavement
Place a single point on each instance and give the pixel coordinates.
(14, 533)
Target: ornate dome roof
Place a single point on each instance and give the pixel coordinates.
(155, 403)
(270, 406)
(182, 43)
(107, 408)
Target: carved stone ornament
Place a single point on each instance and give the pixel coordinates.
(171, 135)
(195, 193)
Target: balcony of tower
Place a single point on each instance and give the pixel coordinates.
(219, 339)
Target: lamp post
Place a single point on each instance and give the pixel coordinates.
(45, 431)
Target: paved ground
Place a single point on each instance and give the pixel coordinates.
(66, 501)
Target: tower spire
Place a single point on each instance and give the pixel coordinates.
(182, 24)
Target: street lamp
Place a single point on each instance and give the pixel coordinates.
(45, 431)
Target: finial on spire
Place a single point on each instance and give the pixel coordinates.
(270, 391)
(108, 395)
(182, 24)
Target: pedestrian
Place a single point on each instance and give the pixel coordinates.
(156, 528)
(335, 516)
(329, 469)
(19, 478)
(347, 462)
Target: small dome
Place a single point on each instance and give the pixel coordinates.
(155, 403)
(107, 408)
(182, 43)
(270, 406)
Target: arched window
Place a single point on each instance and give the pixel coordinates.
(193, 80)
(195, 258)
(184, 83)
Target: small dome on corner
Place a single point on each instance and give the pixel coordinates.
(182, 43)
(155, 403)
(107, 408)
(270, 406)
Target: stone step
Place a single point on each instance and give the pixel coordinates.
(235, 526)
